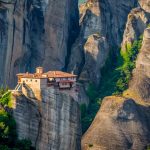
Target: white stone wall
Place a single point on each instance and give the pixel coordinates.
(32, 83)
(63, 79)
(35, 85)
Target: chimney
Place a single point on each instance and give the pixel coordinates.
(39, 70)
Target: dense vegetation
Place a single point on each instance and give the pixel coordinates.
(116, 75)
(8, 134)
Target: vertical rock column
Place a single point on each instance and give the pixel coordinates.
(53, 123)
(61, 128)
(37, 34)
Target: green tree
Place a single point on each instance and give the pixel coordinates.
(24, 144)
(7, 128)
(116, 75)
(5, 99)
(4, 147)
(8, 134)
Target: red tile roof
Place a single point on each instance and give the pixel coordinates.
(58, 74)
(49, 74)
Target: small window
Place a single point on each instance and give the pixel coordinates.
(31, 80)
(35, 80)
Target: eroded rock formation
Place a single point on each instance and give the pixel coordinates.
(139, 86)
(120, 124)
(34, 33)
(41, 32)
(107, 19)
(123, 122)
(138, 20)
(53, 123)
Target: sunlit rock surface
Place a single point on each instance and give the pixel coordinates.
(106, 19)
(123, 122)
(120, 124)
(53, 123)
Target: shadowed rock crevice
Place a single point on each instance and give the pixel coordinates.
(108, 20)
(3, 40)
(42, 36)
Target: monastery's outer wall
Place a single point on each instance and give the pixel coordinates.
(35, 85)
(32, 83)
(70, 79)
(43, 83)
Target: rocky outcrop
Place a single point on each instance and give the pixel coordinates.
(138, 20)
(53, 123)
(106, 19)
(96, 50)
(123, 122)
(45, 33)
(139, 86)
(36, 33)
(145, 4)
(120, 124)
(42, 32)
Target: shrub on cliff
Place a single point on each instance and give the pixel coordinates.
(5, 99)
(4, 147)
(129, 57)
(116, 75)
(7, 128)
(25, 144)
(8, 134)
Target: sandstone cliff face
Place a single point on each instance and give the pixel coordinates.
(41, 32)
(123, 122)
(53, 123)
(138, 20)
(145, 4)
(139, 87)
(36, 33)
(120, 124)
(106, 19)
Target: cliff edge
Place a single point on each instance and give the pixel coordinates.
(53, 123)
